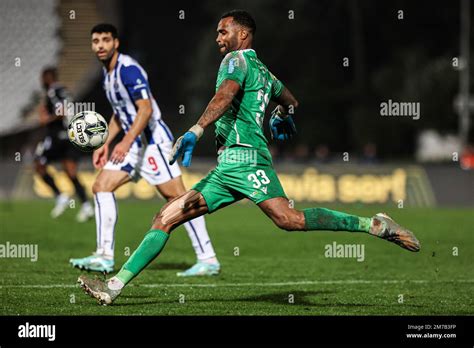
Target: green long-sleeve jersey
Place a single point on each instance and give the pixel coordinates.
(241, 124)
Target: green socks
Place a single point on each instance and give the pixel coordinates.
(326, 219)
(146, 252)
(315, 219)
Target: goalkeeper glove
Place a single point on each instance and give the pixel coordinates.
(281, 128)
(185, 144)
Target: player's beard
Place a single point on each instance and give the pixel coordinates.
(106, 61)
(224, 52)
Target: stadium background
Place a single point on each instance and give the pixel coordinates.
(340, 58)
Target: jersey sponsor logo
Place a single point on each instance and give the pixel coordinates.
(254, 193)
(230, 69)
(234, 62)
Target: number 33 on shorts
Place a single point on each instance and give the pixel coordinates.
(259, 178)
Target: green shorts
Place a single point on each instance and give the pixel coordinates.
(241, 173)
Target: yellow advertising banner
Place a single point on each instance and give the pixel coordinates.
(395, 185)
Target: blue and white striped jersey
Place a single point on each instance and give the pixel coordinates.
(127, 83)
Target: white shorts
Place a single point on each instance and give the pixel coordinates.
(151, 164)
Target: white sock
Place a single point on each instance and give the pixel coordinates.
(105, 217)
(98, 250)
(200, 239)
(115, 284)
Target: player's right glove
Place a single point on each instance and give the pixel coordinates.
(281, 127)
(185, 144)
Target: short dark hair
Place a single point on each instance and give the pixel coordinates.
(50, 70)
(243, 18)
(105, 28)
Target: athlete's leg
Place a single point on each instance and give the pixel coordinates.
(290, 219)
(87, 210)
(209, 195)
(106, 212)
(42, 171)
(196, 229)
(62, 199)
(176, 212)
(168, 180)
(70, 167)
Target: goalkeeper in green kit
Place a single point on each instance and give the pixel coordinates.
(244, 89)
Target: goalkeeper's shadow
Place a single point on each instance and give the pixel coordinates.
(178, 266)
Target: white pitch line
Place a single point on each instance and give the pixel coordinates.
(223, 285)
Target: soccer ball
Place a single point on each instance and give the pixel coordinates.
(88, 130)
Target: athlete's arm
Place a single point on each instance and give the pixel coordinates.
(281, 123)
(100, 156)
(219, 103)
(44, 116)
(286, 101)
(144, 111)
(114, 129)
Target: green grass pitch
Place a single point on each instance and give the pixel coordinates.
(275, 272)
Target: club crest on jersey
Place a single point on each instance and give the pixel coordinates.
(116, 85)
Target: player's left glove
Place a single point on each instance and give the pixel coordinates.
(281, 127)
(185, 144)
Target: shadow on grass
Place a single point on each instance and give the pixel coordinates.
(125, 304)
(170, 265)
(300, 299)
(295, 298)
(305, 299)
